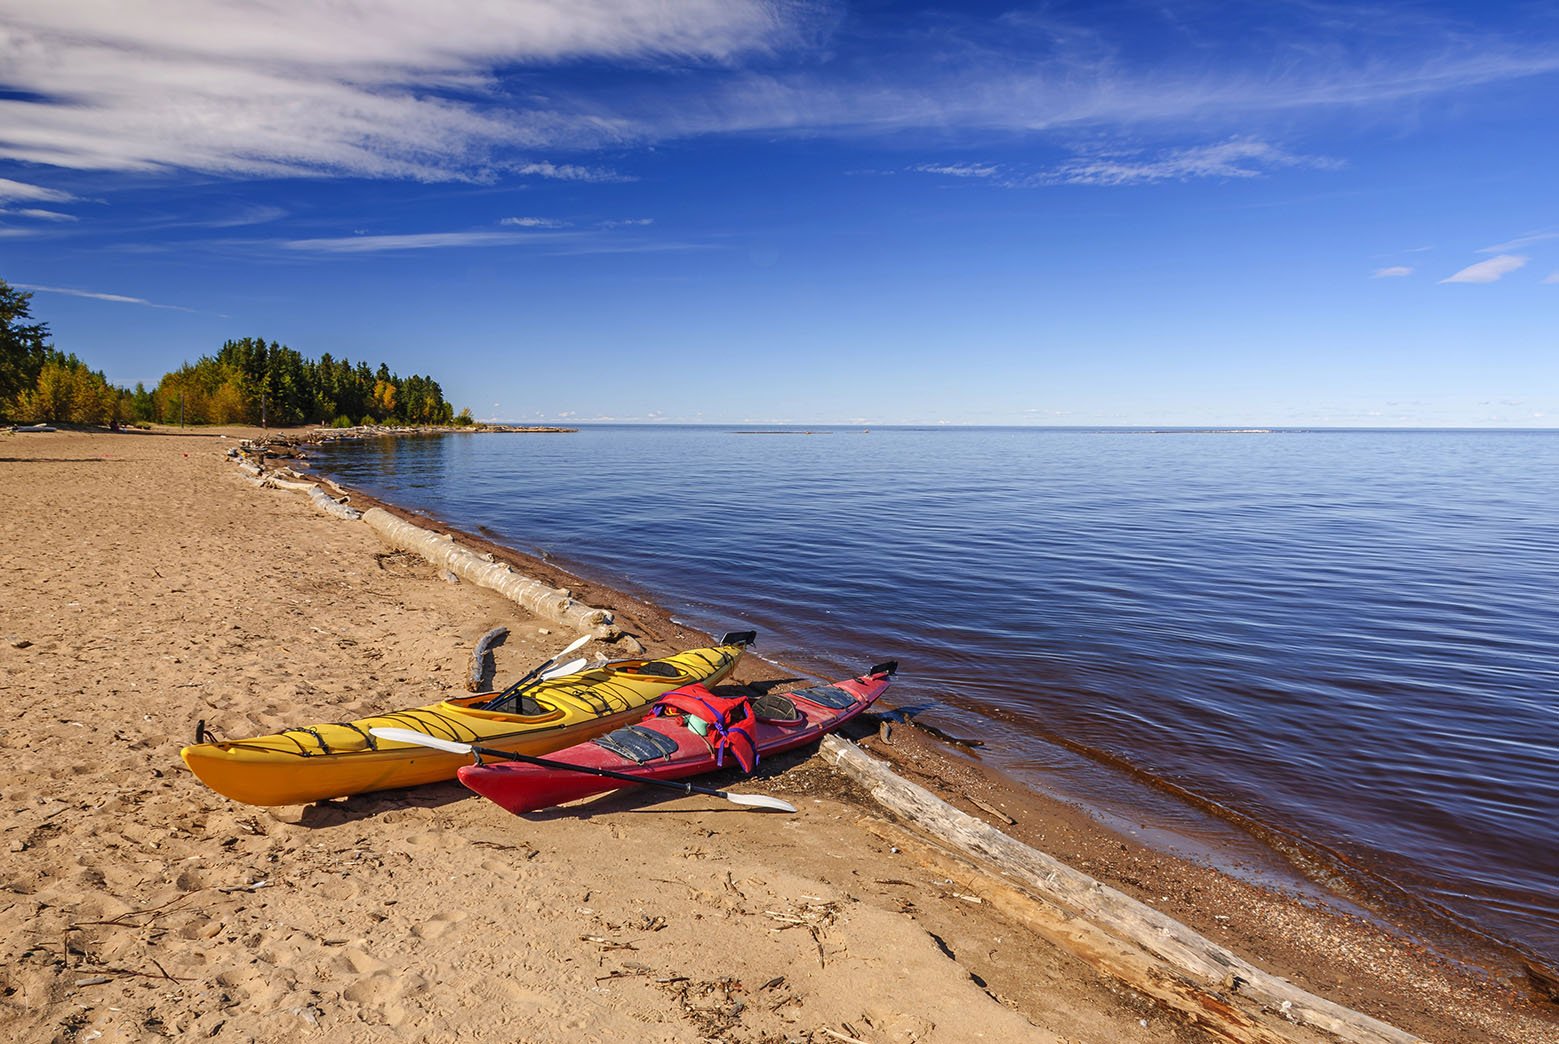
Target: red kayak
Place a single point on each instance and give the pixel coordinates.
(688, 731)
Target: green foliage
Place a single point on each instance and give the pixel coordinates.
(463, 419)
(24, 346)
(137, 406)
(342, 421)
(251, 381)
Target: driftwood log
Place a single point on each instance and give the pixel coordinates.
(331, 506)
(1129, 940)
(539, 598)
(480, 658)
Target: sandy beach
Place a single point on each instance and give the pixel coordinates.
(148, 586)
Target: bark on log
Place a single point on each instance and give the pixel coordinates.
(479, 656)
(539, 598)
(323, 501)
(1180, 952)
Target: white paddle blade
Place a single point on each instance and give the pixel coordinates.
(420, 739)
(571, 667)
(576, 643)
(760, 801)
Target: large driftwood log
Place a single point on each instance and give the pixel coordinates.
(330, 506)
(1183, 956)
(539, 598)
(277, 482)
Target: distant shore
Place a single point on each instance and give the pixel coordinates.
(149, 587)
(379, 431)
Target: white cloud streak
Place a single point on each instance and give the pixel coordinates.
(98, 296)
(571, 172)
(396, 88)
(1237, 159)
(959, 170)
(1519, 242)
(414, 241)
(20, 190)
(39, 215)
(1490, 271)
(531, 222)
(1393, 272)
(408, 89)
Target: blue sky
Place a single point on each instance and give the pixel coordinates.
(1095, 213)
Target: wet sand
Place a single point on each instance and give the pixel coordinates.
(147, 586)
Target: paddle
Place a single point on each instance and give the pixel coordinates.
(514, 689)
(454, 747)
(562, 670)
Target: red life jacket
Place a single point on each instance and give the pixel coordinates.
(730, 718)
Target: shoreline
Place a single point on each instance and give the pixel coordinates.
(257, 564)
(1316, 871)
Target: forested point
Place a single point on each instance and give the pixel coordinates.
(249, 381)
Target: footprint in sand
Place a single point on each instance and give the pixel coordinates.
(382, 995)
(338, 890)
(439, 924)
(361, 963)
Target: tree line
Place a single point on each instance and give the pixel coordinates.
(248, 381)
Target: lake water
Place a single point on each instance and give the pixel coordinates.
(1347, 642)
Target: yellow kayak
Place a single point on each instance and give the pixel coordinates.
(335, 759)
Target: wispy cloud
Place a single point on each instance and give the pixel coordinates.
(1519, 242)
(532, 222)
(1393, 272)
(1237, 158)
(414, 241)
(397, 88)
(98, 296)
(1240, 158)
(20, 190)
(571, 172)
(39, 215)
(1489, 271)
(959, 170)
(1551, 279)
(405, 89)
(257, 214)
(628, 223)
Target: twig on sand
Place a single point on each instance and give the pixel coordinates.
(120, 921)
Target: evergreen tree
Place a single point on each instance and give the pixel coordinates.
(24, 346)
